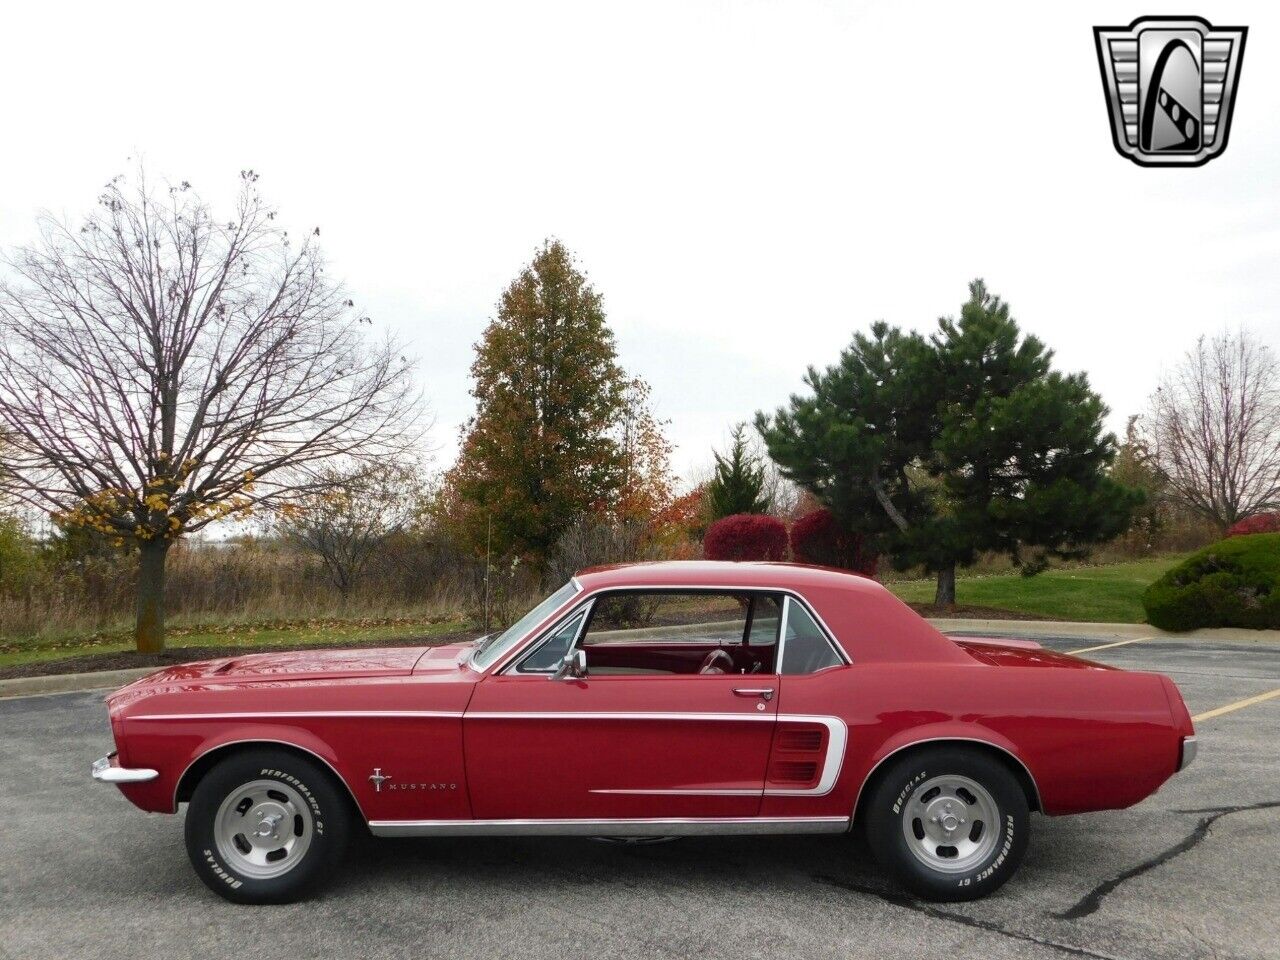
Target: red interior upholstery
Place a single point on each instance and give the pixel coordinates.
(678, 657)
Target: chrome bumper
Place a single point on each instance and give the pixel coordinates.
(105, 769)
(1188, 752)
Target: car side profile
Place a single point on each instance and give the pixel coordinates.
(649, 700)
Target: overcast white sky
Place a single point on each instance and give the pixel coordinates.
(746, 183)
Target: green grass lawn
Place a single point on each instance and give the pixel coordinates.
(1111, 593)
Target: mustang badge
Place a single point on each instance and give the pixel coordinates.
(378, 778)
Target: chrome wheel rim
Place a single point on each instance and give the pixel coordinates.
(263, 828)
(951, 823)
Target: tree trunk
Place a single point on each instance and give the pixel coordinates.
(946, 592)
(149, 632)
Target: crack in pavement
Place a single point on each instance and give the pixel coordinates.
(990, 926)
(1092, 900)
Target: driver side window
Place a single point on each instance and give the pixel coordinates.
(695, 632)
(630, 632)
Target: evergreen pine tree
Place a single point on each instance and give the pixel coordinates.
(963, 444)
(738, 485)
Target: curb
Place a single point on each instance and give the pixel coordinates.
(1124, 631)
(71, 682)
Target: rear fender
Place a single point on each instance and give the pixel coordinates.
(955, 732)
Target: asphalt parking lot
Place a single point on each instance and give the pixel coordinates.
(1192, 872)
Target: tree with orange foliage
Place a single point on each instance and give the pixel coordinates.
(560, 432)
(682, 522)
(646, 482)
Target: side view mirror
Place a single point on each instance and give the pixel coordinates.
(574, 665)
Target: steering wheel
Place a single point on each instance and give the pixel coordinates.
(717, 661)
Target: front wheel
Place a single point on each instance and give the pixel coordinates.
(266, 826)
(950, 823)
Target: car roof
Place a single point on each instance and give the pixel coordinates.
(869, 622)
(723, 574)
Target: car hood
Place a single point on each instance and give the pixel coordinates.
(309, 664)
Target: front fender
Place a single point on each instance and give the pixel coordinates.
(175, 753)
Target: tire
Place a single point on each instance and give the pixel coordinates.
(950, 858)
(267, 826)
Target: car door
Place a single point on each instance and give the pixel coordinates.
(680, 732)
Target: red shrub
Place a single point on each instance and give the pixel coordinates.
(817, 538)
(746, 536)
(1258, 523)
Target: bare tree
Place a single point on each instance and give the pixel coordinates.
(347, 522)
(161, 370)
(1214, 428)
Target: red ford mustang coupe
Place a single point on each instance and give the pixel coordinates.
(652, 700)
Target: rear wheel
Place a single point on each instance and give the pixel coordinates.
(948, 822)
(266, 826)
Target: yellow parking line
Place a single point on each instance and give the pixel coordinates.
(1107, 646)
(1238, 705)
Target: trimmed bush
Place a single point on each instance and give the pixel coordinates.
(817, 538)
(746, 536)
(1232, 583)
(1258, 523)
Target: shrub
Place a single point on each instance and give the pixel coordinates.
(1258, 523)
(1233, 583)
(746, 536)
(818, 538)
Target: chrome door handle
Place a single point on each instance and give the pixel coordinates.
(764, 693)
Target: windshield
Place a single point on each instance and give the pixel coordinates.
(492, 648)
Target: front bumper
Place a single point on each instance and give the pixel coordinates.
(108, 770)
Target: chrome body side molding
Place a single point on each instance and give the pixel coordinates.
(295, 714)
(654, 827)
(614, 715)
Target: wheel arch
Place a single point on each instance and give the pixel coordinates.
(1016, 765)
(205, 761)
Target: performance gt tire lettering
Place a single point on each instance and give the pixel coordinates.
(323, 798)
(890, 802)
